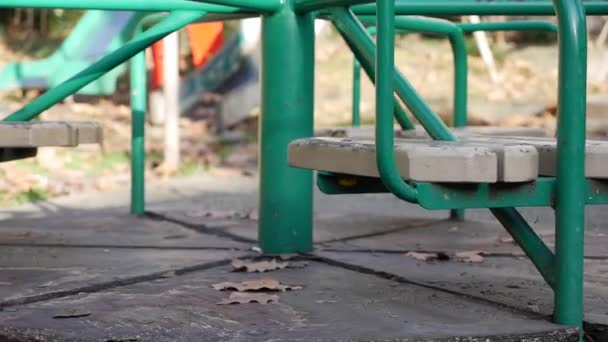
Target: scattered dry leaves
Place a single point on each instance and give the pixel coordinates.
(471, 256)
(246, 298)
(428, 256)
(263, 284)
(260, 266)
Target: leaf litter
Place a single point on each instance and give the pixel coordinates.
(260, 266)
(262, 284)
(472, 257)
(421, 256)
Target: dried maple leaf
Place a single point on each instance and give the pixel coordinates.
(263, 284)
(428, 256)
(246, 298)
(261, 266)
(471, 256)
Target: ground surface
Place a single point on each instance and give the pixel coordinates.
(80, 268)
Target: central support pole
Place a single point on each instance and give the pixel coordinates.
(286, 194)
(570, 197)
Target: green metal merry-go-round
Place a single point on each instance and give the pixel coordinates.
(438, 169)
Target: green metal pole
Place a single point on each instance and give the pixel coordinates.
(139, 104)
(363, 46)
(121, 5)
(476, 7)
(526, 25)
(368, 66)
(534, 247)
(356, 119)
(286, 194)
(570, 199)
(509, 217)
(458, 44)
(314, 5)
(257, 5)
(173, 22)
(385, 89)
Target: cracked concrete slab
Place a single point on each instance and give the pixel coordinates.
(328, 228)
(454, 236)
(37, 273)
(335, 304)
(512, 281)
(100, 229)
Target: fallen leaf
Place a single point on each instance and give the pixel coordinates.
(263, 284)
(428, 256)
(246, 298)
(253, 215)
(506, 239)
(422, 256)
(534, 308)
(470, 256)
(260, 266)
(72, 313)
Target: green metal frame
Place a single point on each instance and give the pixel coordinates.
(286, 200)
(455, 33)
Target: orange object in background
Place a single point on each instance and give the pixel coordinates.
(205, 39)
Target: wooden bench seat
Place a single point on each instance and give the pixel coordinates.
(596, 155)
(49, 133)
(421, 160)
(474, 158)
(20, 140)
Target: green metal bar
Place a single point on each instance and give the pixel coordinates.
(286, 194)
(363, 46)
(356, 119)
(385, 88)
(516, 25)
(122, 5)
(139, 104)
(458, 44)
(404, 121)
(173, 22)
(258, 5)
(401, 116)
(529, 241)
(385, 147)
(314, 5)
(442, 196)
(475, 7)
(570, 197)
(368, 65)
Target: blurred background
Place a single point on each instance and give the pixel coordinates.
(516, 87)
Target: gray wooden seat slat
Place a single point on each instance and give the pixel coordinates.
(596, 154)
(421, 160)
(48, 133)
